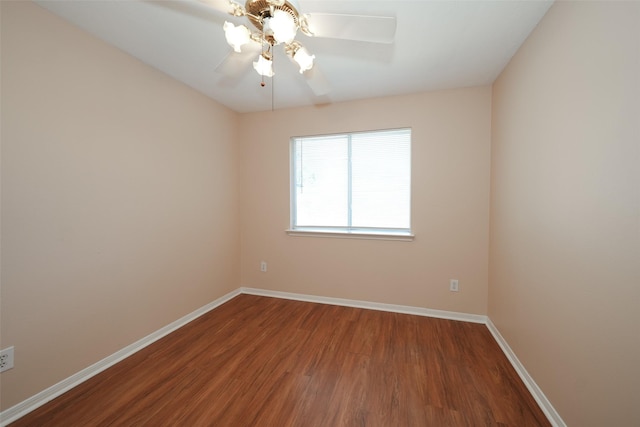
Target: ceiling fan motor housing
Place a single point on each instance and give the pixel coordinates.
(258, 10)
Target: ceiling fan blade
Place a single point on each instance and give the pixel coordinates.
(236, 63)
(225, 6)
(317, 81)
(375, 29)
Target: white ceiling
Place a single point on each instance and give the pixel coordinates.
(438, 45)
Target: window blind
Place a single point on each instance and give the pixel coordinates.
(354, 181)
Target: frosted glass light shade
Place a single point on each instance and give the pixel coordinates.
(283, 26)
(264, 66)
(236, 36)
(304, 60)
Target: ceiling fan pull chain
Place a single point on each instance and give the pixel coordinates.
(262, 83)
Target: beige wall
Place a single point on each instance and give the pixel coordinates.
(119, 200)
(565, 210)
(450, 205)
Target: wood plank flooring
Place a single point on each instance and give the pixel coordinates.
(258, 361)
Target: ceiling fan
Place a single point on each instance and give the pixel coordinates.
(278, 22)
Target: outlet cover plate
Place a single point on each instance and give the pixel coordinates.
(6, 359)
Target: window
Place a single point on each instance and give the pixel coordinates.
(352, 183)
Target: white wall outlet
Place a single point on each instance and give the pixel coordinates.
(453, 285)
(6, 359)
(263, 266)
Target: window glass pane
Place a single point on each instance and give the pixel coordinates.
(381, 179)
(321, 181)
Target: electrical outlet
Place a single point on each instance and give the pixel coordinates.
(453, 285)
(6, 359)
(263, 266)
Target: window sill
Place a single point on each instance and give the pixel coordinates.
(340, 234)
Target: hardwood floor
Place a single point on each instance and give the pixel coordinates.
(258, 361)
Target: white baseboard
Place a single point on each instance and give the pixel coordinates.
(21, 409)
(548, 409)
(404, 309)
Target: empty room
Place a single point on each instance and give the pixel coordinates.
(320, 213)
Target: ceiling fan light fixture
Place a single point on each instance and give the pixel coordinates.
(304, 60)
(236, 36)
(264, 65)
(283, 26)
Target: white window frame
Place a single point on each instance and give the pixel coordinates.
(375, 233)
